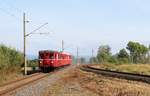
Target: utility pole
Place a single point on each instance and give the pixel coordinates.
(62, 45)
(77, 56)
(24, 44)
(92, 56)
(24, 40)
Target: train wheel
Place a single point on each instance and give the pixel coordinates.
(47, 69)
(43, 69)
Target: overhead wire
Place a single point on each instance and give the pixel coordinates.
(11, 6)
(8, 13)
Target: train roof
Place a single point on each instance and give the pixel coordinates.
(53, 51)
(66, 53)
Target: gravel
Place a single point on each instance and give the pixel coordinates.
(38, 88)
(81, 83)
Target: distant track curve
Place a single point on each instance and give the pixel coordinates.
(123, 75)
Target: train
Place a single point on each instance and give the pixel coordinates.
(50, 59)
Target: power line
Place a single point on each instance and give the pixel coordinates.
(36, 29)
(11, 6)
(8, 13)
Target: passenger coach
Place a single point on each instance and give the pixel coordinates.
(49, 59)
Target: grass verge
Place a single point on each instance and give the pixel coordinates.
(131, 68)
(9, 74)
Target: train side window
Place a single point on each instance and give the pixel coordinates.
(63, 57)
(67, 57)
(59, 56)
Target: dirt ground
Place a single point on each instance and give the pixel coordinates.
(9, 77)
(80, 83)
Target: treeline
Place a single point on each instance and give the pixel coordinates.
(10, 58)
(133, 53)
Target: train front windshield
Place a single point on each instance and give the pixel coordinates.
(47, 56)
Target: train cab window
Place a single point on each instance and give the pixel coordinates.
(51, 56)
(46, 55)
(41, 56)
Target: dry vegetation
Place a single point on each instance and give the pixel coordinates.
(7, 75)
(132, 68)
(10, 63)
(79, 83)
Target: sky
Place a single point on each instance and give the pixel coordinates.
(85, 24)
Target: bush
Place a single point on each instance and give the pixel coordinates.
(33, 63)
(10, 57)
(113, 60)
(123, 60)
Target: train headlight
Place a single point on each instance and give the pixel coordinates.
(40, 62)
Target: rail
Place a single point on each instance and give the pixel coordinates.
(13, 85)
(123, 75)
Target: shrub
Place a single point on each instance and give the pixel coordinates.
(10, 57)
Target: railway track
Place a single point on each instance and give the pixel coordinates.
(13, 85)
(8, 87)
(123, 75)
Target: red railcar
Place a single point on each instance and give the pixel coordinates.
(49, 59)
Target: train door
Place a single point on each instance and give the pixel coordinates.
(56, 59)
(59, 59)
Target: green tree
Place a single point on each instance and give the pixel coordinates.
(137, 52)
(113, 59)
(104, 53)
(123, 56)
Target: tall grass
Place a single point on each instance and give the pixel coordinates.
(131, 68)
(10, 57)
(11, 61)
